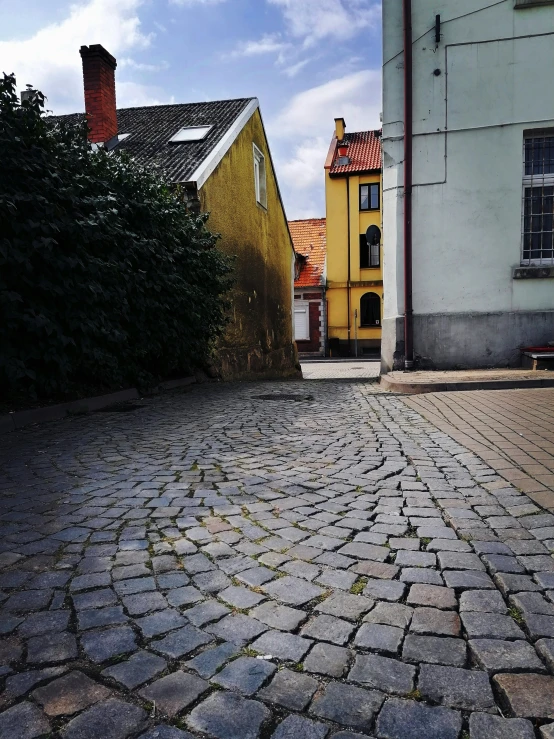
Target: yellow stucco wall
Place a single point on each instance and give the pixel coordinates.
(339, 191)
(259, 336)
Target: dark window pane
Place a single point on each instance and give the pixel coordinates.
(538, 222)
(364, 252)
(370, 310)
(364, 197)
(539, 155)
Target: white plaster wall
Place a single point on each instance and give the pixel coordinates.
(468, 126)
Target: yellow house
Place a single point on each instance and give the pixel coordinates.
(354, 243)
(217, 154)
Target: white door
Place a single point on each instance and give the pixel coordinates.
(301, 321)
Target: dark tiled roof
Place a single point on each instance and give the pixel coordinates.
(309, 237)
(151, 128)
(364, 152)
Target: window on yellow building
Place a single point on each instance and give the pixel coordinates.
(370, 310)
(369, 254)
(369, 197)
(259, 177)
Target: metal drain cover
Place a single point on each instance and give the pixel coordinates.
(283, 396)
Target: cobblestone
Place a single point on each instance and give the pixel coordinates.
(290, 689)
(172, 693)
(344, 541)
(228, 716)
(245, 674)
(348, 705)
(328, 660)
(138, 669)
(484, 726)
(412, 720)
(495, 655)
(382, 673)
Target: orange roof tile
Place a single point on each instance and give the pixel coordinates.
(364, 152)
(310, 240)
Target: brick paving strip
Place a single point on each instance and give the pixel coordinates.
(513, 431)
(284, 561)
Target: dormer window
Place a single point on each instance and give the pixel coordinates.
(190, 133)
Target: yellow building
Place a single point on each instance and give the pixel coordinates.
(218, 155)
(354, 243)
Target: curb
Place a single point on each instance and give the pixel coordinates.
(418, 388)
(14, 421)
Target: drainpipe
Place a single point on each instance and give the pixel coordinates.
(325, 320)
(408, 184)
(348, 283)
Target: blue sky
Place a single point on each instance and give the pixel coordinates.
(308, 61)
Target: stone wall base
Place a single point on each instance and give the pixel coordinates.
(253, 363)
(466, 340)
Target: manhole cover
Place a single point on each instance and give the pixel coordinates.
(120, 408)
(283, 396)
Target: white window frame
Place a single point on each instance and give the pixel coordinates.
(300, 305)
(534, 181)
(260, 179)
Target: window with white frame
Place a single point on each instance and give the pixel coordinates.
(301, 321)
(538, 199)
(259, 177)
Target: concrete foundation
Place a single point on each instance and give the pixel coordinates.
(466, 340)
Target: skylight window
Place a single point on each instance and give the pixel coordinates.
(190, 133)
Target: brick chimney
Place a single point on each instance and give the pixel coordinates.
(99, 81)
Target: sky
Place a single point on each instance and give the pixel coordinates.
(307, 61)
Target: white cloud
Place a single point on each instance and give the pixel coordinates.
(49, 60)
(356, 97)
(140, 66)
(301, 133)
(293, 69)
(268, 44)
(134, 95)
(313, 20)
(304, 169)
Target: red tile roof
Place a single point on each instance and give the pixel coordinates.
(364, 152)
(310, 241)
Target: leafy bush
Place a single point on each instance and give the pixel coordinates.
(105, 278)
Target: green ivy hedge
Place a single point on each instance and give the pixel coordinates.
(106, 279)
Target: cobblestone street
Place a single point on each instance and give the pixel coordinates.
(300, 560)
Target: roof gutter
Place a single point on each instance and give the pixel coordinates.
(408, 187)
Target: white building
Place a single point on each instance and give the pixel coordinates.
(483, 180)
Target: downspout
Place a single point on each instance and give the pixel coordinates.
(348, 283)
(325, 321)
(408, 185)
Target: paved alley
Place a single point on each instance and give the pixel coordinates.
(300, 560)
(327, 369)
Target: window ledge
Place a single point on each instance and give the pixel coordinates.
(522, 4)
(533, 273)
